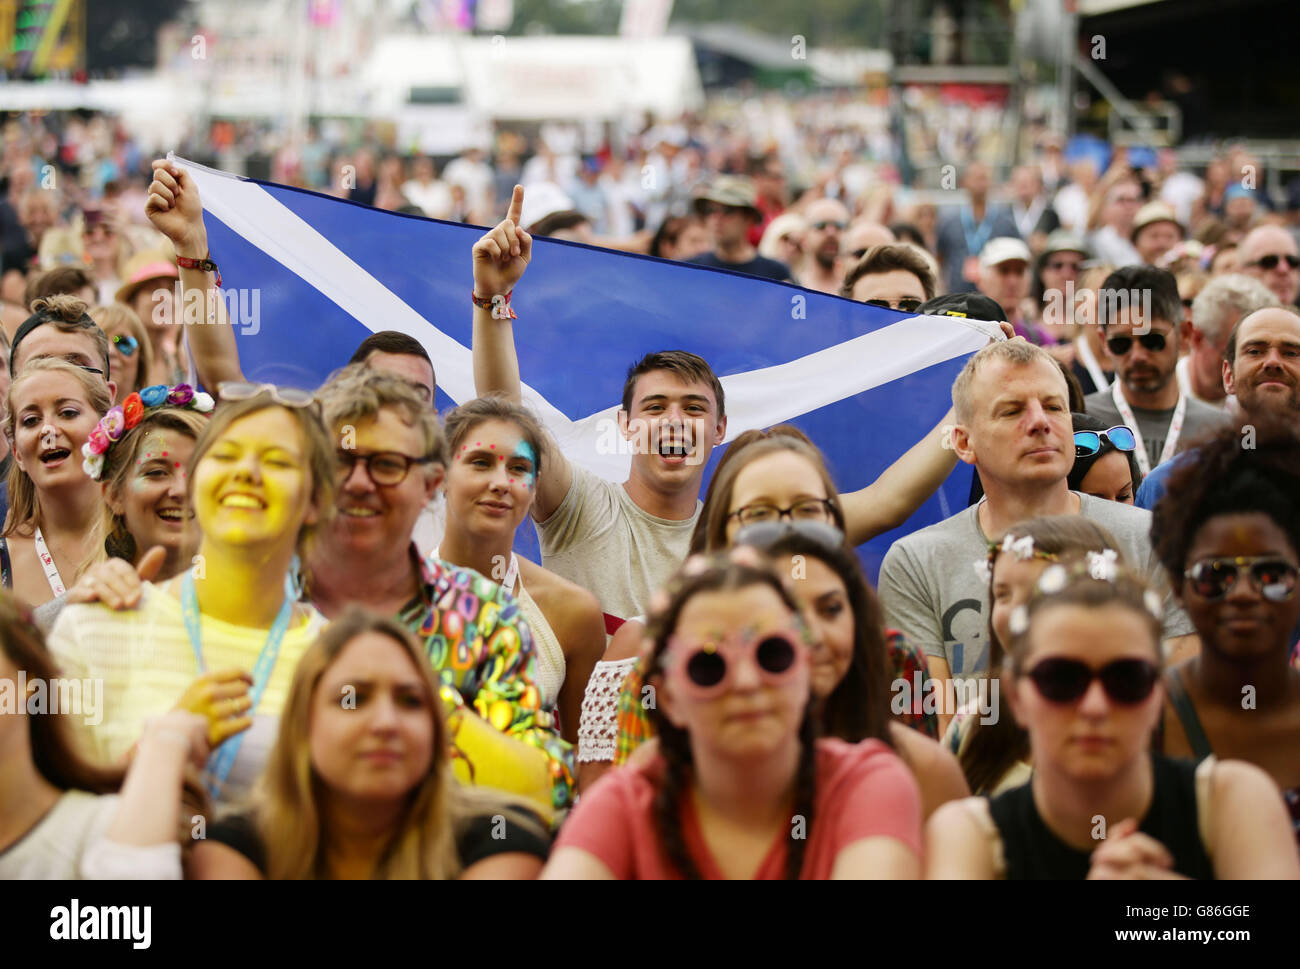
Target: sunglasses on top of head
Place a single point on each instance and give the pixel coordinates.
(1088, 443)
(709, 667)
(1063, 680)
(1212, 579)
(1121, 345)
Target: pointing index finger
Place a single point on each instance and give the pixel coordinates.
(516, 205)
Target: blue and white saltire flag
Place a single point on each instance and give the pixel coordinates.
(864, 383)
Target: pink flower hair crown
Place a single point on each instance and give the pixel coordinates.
(120, 419)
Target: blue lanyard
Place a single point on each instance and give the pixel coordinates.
(223, 758)
(974, 248)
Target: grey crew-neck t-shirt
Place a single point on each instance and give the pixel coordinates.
(599, 538)
(1200, 419)
(932, 592)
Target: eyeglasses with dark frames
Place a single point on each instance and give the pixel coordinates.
(387, 469)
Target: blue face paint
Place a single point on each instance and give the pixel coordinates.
(524, 450)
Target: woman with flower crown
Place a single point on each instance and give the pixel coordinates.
(138, 453)
(52, 408)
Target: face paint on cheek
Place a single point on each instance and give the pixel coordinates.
(525, 450)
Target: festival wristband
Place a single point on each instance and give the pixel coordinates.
(498, 306)
(204, 265)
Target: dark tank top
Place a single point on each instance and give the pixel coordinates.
(1032, 851)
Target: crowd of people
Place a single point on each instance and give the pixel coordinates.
(320, 656)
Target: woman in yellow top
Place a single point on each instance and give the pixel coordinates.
(222, 638)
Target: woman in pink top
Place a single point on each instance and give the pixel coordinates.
(741, 789)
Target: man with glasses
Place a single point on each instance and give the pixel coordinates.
(1141, 315)
(1269, 253)
(1014, 426)
(1215, 311)
(728, 207)
(392, 458)
(898, 277)
(827, 222)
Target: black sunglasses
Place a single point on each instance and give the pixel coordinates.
(1126, 681)
(1271, 261)
(1273, 577)
(1120, 345)
(827, 223)
(908, 304)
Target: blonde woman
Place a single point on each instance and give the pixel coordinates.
(130, 357)
(52, 408)
(221, 639)
(359, 783)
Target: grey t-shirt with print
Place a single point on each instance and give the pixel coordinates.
(932, 592)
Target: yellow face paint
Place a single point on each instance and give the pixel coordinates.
(253, 485)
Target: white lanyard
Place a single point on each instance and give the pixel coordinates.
(512, 572)
(47, 563)
(1090, 362)
(1171, 438)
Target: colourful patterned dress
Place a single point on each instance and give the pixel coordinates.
(482, 649)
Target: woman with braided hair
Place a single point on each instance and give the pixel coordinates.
(741, 787)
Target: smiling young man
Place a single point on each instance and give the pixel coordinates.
(621, 541)
(1141, 314)
(1013, 425)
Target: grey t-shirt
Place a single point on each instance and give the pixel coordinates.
(600, 539)
(1201, 419)
(932, 592)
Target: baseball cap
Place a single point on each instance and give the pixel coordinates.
(1003, 249)
(972, 306)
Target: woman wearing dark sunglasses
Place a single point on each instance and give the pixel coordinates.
(1104, 462)
(740, 788)
(1228, 533)
(130, 357)
(1083, 679)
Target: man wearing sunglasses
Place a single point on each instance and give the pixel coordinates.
(896, 276)
(1270, 254)
(729, 209)
(823, 271)
(1143, 343)
(1261, 368)
(1014, 426)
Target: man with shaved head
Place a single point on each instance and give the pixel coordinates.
(828, 220)
(1269, 253)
